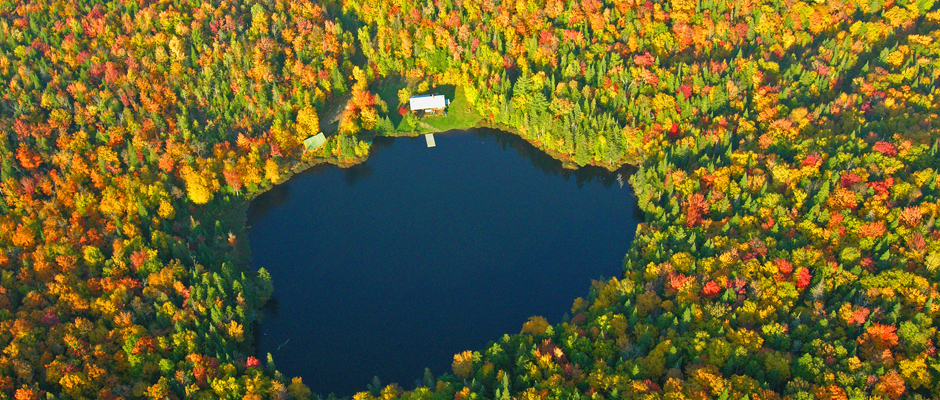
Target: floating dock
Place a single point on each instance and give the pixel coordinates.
(430, 138)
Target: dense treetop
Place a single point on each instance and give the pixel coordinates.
(787, 156)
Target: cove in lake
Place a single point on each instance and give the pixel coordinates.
(396, 264)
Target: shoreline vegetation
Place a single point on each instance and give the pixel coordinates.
(461, 117)
(465, 121)
(460, 166)
(787, 170)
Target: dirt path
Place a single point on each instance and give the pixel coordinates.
(330, 123)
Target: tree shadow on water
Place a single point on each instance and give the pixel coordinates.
(356, 173)
(267, 201)
(553, 167)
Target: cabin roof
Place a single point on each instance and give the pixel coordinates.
(428, 101)
(314, 142)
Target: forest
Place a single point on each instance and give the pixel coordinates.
(787, 170)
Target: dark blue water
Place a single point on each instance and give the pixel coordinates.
(397, 264)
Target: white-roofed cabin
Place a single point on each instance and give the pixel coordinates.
(430, 104)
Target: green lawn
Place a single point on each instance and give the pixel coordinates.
(460, 115)
(406, 126)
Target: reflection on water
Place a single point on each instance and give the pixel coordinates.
(356, 172)
(267, 201)
(537, 158)
(418, 253)
(550, 165)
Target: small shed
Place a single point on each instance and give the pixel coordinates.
(429, 103)
(314, 142)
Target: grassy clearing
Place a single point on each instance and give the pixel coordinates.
(460, 115)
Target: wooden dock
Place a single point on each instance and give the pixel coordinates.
(430, 138)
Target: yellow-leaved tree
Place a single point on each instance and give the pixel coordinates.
(198, 187)
(298, 390)
(463, 364)
(271, 172)
(308, 123)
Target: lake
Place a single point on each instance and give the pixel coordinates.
(396, 264)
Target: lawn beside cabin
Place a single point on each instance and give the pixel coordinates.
(460, 114)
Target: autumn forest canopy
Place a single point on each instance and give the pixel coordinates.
(787, 171)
